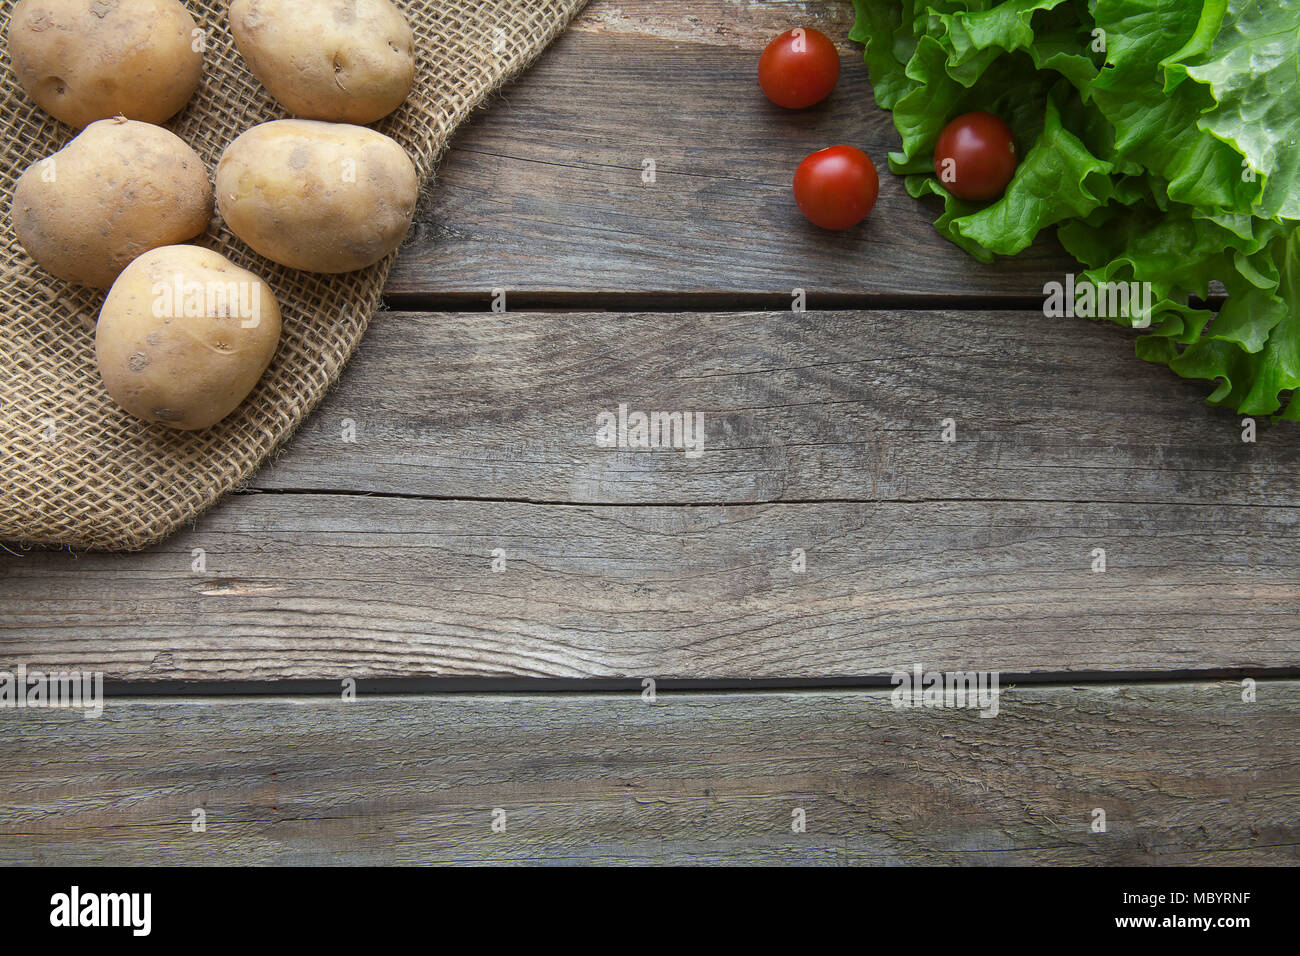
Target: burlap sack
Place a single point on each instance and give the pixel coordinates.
(74, 468)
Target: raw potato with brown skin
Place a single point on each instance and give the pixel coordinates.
(119, 189)
(86, 60)
(348, 61)
(322, 197)
(184, 335)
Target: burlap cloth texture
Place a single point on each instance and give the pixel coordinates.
(74, 468)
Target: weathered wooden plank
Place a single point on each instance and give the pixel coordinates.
(1185, 773)
(543, 192)
(796, 407)
(738, 24)
(330, 586)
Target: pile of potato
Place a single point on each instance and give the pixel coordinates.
(184, 334)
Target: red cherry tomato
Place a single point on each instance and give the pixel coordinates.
(975, 156)
(836, 187)
(799, 68)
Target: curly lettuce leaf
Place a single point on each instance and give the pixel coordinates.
(1253, 382)
(1251, 74)
(1159, 137)
(1158, 128)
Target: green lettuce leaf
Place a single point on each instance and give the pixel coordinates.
(1252, 72)
(1160, 139)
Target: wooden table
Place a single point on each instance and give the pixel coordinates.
(827, 537)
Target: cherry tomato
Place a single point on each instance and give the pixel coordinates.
(836, 187)
(975, 156)
(799, 68)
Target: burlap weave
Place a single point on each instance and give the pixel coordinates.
(74, 468)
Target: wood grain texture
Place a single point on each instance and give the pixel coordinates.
(738, 24)
(330, 586)
(797, 407)
(1186, 774)
(543, 192)
(822, 434)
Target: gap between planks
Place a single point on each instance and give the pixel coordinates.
(542, 300)
(768, 503)
(569, 687)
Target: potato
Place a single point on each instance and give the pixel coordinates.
(323, 197)
(86, 60)
(349, 61)
(184, 335)
(117, 190)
